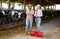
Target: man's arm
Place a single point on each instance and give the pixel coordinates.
(30, 13)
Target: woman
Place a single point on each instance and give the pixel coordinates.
(38, 15)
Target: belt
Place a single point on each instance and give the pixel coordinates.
(37, 17)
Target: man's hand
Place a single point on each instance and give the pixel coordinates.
(30, 13)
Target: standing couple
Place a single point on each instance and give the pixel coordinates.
(29, 19)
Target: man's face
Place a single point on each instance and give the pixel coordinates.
(29, 6)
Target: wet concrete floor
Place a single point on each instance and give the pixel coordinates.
(51, 30)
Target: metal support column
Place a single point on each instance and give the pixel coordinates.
(24, 4)
(0, 4)
(34, 4)
(13, 5)
(40, 2)
(9, 4)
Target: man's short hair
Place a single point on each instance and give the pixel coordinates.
(29, 5)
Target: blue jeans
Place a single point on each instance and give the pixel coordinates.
(29, 24)
(38, 22)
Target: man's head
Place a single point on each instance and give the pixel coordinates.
(29, 6)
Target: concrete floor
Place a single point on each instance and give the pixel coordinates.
(50, 31)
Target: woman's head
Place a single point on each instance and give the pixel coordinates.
(38, 7)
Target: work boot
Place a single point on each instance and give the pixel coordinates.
(26, 33)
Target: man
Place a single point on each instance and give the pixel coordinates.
(38, 15)
(29, 18)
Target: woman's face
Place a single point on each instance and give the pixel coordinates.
(36, 8)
